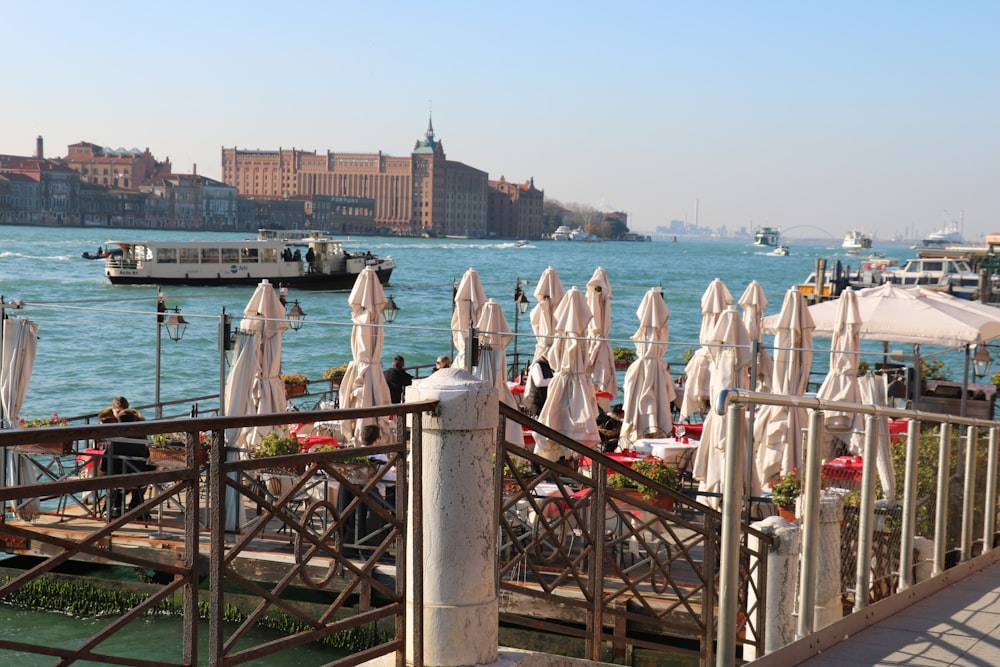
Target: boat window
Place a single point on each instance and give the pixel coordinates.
(248, 255)
(230, 255)
(166, 255)
(189, 256)
(269, 255)
(209, 255)
(933, 266)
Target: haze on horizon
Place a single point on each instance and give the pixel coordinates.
(815, 118)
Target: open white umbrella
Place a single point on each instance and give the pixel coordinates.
(254, 383)
(20, 342)
(469, 301)
(601, 356)
(697, 380)
(364, 384)
(778, 429)
(754, 303)
(492, 368)
(571, 406)
(729, 354)
(649, 389)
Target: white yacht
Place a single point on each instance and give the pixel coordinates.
(950, 234)
(562, 233)
(947, 274)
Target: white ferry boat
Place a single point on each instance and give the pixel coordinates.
(562, 233)
(767, 236)
(946, 274)
(291, 258)
(857, 240)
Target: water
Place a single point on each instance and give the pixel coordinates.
(98, 340)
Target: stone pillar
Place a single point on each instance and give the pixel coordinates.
(461, 606)
(782, 579)
(924, 558)
(829, 605)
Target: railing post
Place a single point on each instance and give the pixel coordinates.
(989, 514)
(969, 490)
(866, 518)
(461, 606)
(941, 506)
(732, 507)
(810, 526)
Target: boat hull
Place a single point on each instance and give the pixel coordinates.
(307, 281)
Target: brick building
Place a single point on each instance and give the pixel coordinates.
(114, 168)
(515, 209)
(424, 193)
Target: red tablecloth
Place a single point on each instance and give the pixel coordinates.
(692, 431)
(89, 460)
(307, 442)
(843, 469)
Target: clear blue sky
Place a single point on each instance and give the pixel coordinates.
(877, 115)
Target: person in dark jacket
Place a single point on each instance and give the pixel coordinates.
(397, 379)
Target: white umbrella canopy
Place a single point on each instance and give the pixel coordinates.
(729, 351)
(778, 429)
(17, 360)
(571, 406)
(873, 390)
(841, 382)
(754, 303)
(469, 301)
(910, 315)
(649, 389)
(601, 356)
(697, 380)
(548, 293)
(493, 339)
(364, 385)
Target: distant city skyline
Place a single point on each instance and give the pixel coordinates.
(875, 116)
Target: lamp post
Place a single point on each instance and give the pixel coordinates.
(176, 326)
(520, 308)
(390, 311)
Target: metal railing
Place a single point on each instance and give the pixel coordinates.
(592, 562)
(259, 544)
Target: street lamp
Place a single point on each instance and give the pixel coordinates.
(390, 311)
(981, 362)
(296, 316)
(176, 326)
(521, 307)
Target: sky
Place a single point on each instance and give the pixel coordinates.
(813, 117)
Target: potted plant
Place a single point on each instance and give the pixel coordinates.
(335, 374)
(172, 447)
(295, 383)
(278, 442)
(655, 469)
(521, 469)
(50, 448)
(623, 356)
(785, 490)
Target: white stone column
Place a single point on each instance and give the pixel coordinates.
(461, 609)
(829, 604)
(924, 558)
(782, 579)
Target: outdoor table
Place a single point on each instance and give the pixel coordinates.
(670, 450)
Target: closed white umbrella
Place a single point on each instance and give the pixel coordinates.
(778, 429)
(601, 356)
(697, 382)
(872, 391)
(493, 339)
(20, 342)
(571, 406)
(548, 293)
(364, 384)
(254, 383)
(469, 301)
(841, 382)
(649, 389)
(729, 354)
(754, 304)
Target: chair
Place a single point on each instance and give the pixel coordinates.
(124, 456)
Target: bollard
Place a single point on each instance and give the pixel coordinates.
(783, 568)
(461, 606)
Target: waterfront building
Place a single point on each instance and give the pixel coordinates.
(422, 194)
(114, 168)
(515, 209)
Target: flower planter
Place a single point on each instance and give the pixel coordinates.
(294, 390)
(621, 365)
(356, 473)
(787, 513)
(175, 456)
(658, 500)
(48, 448)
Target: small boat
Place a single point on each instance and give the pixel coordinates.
(780, 251)
(521, 244)
(857, 240)
(305, 259)
(562, 233)
(946, 274)
(767, 236)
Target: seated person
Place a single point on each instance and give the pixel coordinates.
(125, 456)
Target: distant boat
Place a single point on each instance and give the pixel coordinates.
(562, 233)
(857, 240)
(780, 251)
(948, 235)
(521, 244)
(767, 236)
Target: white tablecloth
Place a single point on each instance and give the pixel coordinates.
(670, 450)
